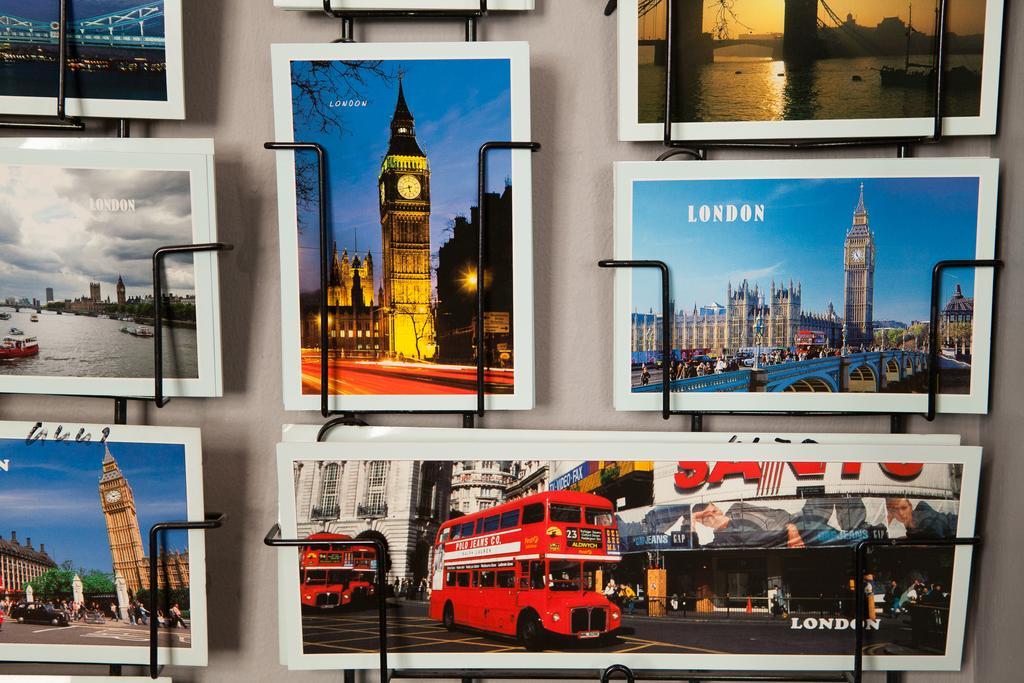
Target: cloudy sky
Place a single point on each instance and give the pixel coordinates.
(50, 236)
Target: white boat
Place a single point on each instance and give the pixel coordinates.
(34, 318)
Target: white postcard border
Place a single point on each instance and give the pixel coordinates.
(192, 155)
(969, 457)
(197, 654)
(172, 108)
(631, 130)
(975, 402)
(522, 234)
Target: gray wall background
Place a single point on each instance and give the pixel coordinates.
(574, 112)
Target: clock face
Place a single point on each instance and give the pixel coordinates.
(113, 496)
(857, 255)
(409, 187)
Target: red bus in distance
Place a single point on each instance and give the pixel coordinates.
(335, 576)
(532, 569)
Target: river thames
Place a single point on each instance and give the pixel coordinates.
(751, 89)
(80, 346)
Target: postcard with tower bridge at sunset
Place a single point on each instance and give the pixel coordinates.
(75, 554)
(806, 286)
(402, 127)
(799, 69)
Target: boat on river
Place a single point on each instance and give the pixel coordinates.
(18, 346)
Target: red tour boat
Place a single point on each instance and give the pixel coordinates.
(18, 347)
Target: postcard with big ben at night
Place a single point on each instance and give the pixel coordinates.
(806, 285)
(401, 126)
(75, 557)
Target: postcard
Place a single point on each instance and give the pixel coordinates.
(360, 435)
(805, 285)
(314, 5)
(652, 555)
(79, 501)
(751, 69)
(125, 58)
(80, 222)
(402, 125)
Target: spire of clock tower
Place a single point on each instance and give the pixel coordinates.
(403, 128)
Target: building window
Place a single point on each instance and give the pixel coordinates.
(327, 504)
(376, 483)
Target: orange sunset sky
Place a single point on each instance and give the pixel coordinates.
(766, 16)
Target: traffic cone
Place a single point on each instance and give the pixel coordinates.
(750, 607)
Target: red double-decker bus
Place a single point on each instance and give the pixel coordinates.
(531, 569)
(335, 576)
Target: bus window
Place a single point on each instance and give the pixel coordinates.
(590, 570)
(524, 575)
(463, 579)
(533, 513)
(565, 513)
(509, 519)
(537, 575)
(565, 575)
(316, 577)
(599, 517)
(506, 579)
(492, 523)
(450, 579)
(467, 529)
(476, 579)
(454, 532)
(487, 579)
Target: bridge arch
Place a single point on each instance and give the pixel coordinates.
(892, 371)
(815, 385)
(863, 379)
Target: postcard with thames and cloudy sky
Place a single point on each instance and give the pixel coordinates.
(805, 285)
(402, 125)
(79, 501)
(79, 222)
(757, 69)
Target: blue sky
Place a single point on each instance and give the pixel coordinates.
(916, 222)
(51, 494)
(457, 104)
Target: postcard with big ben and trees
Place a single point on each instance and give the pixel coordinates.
(401, 126)
(79, 501)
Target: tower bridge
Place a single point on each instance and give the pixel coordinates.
(136, 28)
(693, 46)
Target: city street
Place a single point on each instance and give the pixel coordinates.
(80, 633)
(411, 630)
(349, 377)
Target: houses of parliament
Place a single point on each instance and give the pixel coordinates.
(772, 317)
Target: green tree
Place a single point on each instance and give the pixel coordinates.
(57, 583)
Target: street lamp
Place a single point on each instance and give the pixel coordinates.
(758, 338)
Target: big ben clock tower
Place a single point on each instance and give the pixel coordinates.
(859, 285)
(404, 185)
(122, 525)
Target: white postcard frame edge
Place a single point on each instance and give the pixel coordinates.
(198, 653)
(173, 108)
(192, 155)
(517, 53)
(976, 402)
(631, 130)
(968, 456)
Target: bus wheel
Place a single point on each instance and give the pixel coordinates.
(531, 633)
(448, 618)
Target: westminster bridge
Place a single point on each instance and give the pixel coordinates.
(871, 371)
